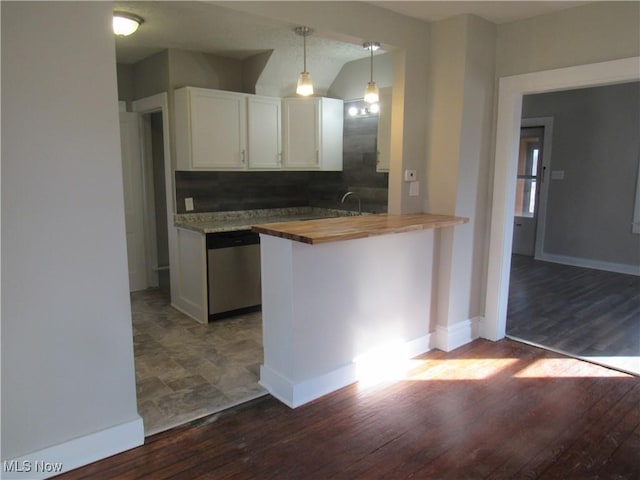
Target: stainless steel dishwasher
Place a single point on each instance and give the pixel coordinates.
(233, 272)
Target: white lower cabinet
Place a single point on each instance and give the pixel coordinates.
(190, 295)
(312, 133)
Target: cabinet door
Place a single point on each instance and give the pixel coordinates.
(384, 131)
(301, 130)
(218, 130)
(264, 132)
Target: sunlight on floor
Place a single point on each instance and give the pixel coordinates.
(559, 368)
(390, 363)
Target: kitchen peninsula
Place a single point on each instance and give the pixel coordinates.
(342, 297)
(192, 294)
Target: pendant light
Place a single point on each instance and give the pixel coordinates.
(371, 92)
(305, 85)
(124, 24)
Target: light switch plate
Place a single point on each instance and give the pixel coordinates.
(414, 189)
(188, 204)
(557, 175)
(410, 175)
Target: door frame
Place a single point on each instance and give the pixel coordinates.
(509, 112)
(545, 163)
(159, 103)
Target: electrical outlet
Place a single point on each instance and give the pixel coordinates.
(410, 175)
(188, 204)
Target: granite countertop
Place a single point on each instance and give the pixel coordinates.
(215, 222)
(338, 229)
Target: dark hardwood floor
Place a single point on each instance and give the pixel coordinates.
(484, 411)
(582, 312)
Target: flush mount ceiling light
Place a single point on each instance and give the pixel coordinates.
(371, 92)
(125, 24)
(305, 85)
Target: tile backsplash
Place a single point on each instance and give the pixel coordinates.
(229, 191)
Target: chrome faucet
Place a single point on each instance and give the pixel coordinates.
(347, 195)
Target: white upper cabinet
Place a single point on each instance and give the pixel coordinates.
(211, 128)
(219, 130)
(312, 133)
(264, 132)
(384, 131)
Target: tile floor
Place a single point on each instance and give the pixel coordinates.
(186, 370)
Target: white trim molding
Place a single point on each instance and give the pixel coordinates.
(75, 453)
(450, 337)
(510, 92)
(294, 394)
(590, 263)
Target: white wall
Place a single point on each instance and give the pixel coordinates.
(67, 350)
(587, 34)
(461, 85)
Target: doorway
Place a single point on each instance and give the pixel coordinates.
(510, 93)
(184, 370)
(530, 177)
(155, 201)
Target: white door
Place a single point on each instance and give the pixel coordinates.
(133, 199)
(264, 132)
(530, 177)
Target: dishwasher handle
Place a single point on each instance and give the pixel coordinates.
(232, 239)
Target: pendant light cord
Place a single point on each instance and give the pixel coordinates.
(304, 50)
(371, 48)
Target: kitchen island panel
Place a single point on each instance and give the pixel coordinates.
(331, 309)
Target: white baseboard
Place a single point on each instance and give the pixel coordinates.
(75, 453)
(453, 336)
(590, 263)
(297, 394)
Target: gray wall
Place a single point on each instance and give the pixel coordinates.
(353, 77)
(596, 141)
(67, 342)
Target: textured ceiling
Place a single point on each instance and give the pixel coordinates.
(496, 12)
(209, 28)
(218, 30)
(227, 32)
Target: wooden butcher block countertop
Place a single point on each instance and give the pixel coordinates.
(349, 228)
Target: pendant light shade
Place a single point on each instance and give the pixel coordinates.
(305, 85)
(124, 24)
(371, 92)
